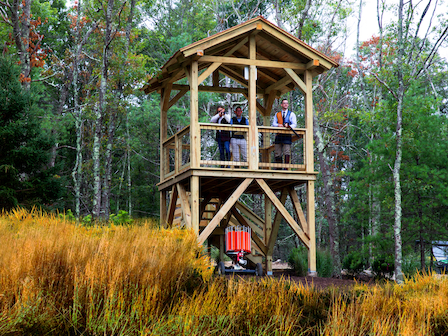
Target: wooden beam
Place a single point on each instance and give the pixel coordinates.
(279, 84)
(249, 62)
(195, 213)
(250, 214)
(296, 80)
(254, 236)
(253, 131)
(261, 108)
(178, 96)
(237, 77)
(300, 48)
(195, 132)
(310, 209)
(269, 102)
(236, 47)
(224, 209)
(279, 206)
(163, 220)
(298, 209)
(185, 204)
(215, 79)
(203, 205)
(172, 206)
(204, 88)
(208, 72)
(309, 155)
(276, 223)
(312, 64)
(223, 37)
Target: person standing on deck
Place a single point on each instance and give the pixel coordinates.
(282, 143)
(222, 137)
(238, 141)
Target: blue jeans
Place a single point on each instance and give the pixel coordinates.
(224, 150)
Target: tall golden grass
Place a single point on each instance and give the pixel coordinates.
(60, 278)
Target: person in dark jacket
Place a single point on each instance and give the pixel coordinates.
(222, 136)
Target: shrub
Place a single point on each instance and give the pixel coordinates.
(354, 262)
(298, 259)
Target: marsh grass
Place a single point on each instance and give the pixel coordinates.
(59, 278)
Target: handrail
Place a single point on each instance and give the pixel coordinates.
(180, 133)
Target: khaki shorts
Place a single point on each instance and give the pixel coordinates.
(282, 149)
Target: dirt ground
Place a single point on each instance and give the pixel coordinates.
(283, 270)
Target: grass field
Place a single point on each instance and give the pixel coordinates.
(57, 278)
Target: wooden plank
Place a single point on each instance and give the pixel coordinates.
(298, 210)
(208, 72)
(254, 236)
(172, 206)
(195, 132)
(310, 214)
(195, 213)
(274, 232)
(309, 155)
(185, 204)
(204, 203)
(296, 80)
(255, 62)
(178, 96)
(224, 209)
(279, 84)
(279, 206)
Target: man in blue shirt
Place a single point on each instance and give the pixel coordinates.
(238, 141)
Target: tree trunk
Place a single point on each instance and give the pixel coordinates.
(399, 154)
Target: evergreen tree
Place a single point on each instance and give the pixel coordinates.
(24, 148)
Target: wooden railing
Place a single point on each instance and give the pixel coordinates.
(175, 156)
(176, 149)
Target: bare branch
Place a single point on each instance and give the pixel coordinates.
(385, 84)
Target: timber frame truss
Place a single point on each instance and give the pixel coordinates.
(265, 62)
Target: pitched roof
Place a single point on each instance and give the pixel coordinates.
(272, 44)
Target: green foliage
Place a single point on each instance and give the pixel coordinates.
(354, 262)
(298, 259)
(122, 218)
(25, 178)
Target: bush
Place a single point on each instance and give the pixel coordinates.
(383, 266)
(354, 262)
(298, 259)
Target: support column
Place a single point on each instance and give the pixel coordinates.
(195, 213)
(163, 221)
(310, 215)
(309, 155)
(221, 247)
(195, 132)
(253, 131)
(268, 232)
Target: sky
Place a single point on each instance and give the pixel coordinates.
(369, 23)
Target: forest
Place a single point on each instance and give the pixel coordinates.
(78, 135)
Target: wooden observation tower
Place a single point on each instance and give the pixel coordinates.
(203, 193)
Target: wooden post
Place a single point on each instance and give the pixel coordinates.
(195, 204)
(253, 130)
(309, 155)
(163, 221)
(221, 247)
(312, 271)
(268, 231)
(195, 132)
